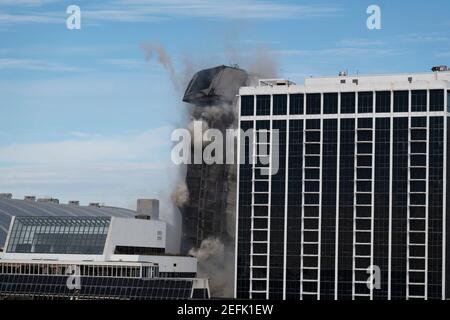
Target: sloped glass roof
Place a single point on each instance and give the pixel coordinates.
(15, 207)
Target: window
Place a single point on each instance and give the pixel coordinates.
(260, 235)
(365, 102)
(247, 106)
(418, 100)
(419, 122)
(401, 101)
(259, 272)
(383, 101)
(261, 211)
(296, 103)
(330, 103)
(129, 250)
(365, 123)
(280, 104)
(260, 223)
(313, 103)
(263, 105)
(261, 186)
(437, 100)
(348, 102)
(448, 101)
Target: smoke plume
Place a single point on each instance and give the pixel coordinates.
(213, 259)
(215, 254)
(181, 195)
(151, 50)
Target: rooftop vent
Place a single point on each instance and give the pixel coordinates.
(29, 198)
(143, 217)
(275, 82)
(440, 68)
(5, 195)
(48, 200)
(94, 204)
(74, 202)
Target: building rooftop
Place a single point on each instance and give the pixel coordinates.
(13, 207)
(345, 82)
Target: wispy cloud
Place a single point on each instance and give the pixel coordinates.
(88, 149)
(31, 18)
(424, 38)
(26, 2)
(443, 54)
(84, 135)
(157, 10)
(231, 9)
(90, 167)
(361, 42)
(338, 51)
(37, 65)
(125, 63)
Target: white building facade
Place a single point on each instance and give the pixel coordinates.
(106, 257)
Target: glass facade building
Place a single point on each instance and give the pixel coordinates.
(65, 235)
(360, 190)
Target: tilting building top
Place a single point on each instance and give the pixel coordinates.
(215, 85)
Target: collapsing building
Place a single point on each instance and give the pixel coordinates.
(210, 209)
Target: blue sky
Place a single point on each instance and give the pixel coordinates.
(85, 116)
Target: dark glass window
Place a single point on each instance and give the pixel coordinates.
(263, 105)
(247, 106)
(330, 103)
(130, 250)
(383, 101)
(419, 122)
(418, 160)
(365, 123)
(313, 124)
(418, 100)
(364, 135)
(418, 134)
(261, 186)
(313, 103)
(437, 100)
(296, 103)
(401, 101)
(348, 102)
(365, 102)
(418, 174)
(260, 223)
(312, 186)
(312, 136)
(259, 272)
(280, 104)
(312, 161)
(261, 211)
(448, 101)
